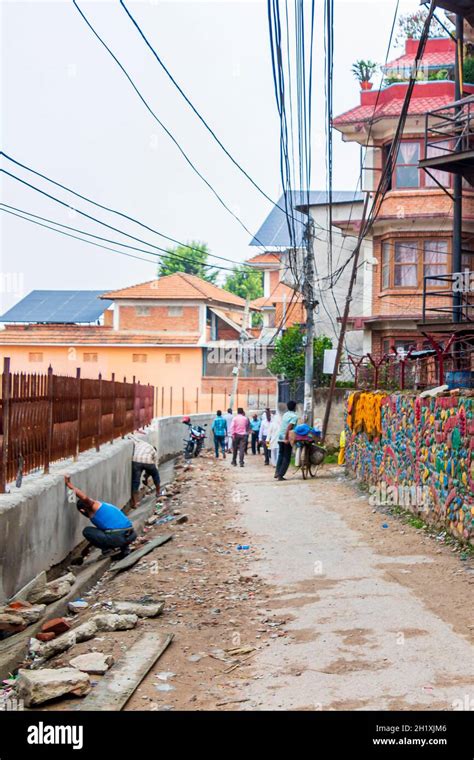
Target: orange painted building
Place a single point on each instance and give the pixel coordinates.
(179, 333)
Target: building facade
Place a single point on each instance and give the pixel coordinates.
(179, 333)
(412, 235)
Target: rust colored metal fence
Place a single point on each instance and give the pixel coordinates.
(45, 418)
(447, 362)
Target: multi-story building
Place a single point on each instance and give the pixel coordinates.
(282, 303)
(412, 237)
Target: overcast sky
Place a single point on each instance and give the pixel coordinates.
(68, 112)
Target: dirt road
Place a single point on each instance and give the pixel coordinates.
(327, 609)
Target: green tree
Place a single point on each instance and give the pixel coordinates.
(245, 283)
(191, 258)
(288, 357)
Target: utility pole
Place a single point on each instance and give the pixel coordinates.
(236, 370)
(345, 319)
(310, 304)
(457, 184)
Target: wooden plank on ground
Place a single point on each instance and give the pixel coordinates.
(133, 557)
(119, 683)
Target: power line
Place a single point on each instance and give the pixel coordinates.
(164, 255)
(76, 237)
(165, 129)
(193, 107)
(104, 224)
(113, 211)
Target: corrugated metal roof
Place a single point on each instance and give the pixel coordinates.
(274, 231)
(58, 306)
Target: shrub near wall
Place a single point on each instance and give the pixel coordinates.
(426, 445)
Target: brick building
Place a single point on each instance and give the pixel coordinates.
(412, 236)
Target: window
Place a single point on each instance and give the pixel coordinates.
(35, 357)
(89, 357)
(142, 311)
(435, 260)
(175, 311)
(385, 265)
(139, 357)
(401, 345)
(405, 269)
(172, 358)
(444, 178)
(407, 173)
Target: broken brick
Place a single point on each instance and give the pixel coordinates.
(56, 625)
(46, 636)
(19, 605)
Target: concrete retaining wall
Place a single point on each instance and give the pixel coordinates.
(39, 527)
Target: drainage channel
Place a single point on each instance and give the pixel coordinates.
(14, 648)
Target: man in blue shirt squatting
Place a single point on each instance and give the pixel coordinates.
(112, 531)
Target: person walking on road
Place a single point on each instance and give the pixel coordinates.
(239, 431)
(263, 435)
(229, 416)
(255, 425)
(289, 420)
(219, 428)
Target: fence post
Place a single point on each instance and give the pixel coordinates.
(6, 421)
(212, 399)
(182, 399)
(49, 433)
(258, 398)
(226, 403)
(79, 412)
(197, 400)
(113, 409)
(99, 421)
(162, 400)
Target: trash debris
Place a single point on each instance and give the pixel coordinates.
(78, 605)
(243, 547)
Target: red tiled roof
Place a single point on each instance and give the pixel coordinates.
(438, 53)
(35, 335)
(281, 294)
(265, 258)
(391, 109)
(179, 286)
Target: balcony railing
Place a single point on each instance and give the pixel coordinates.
(456, 290)
(449, 138)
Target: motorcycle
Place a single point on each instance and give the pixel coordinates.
(194, 444)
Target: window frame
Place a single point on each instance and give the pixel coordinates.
(389, 245)
(422, 175)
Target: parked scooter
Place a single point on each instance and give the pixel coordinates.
(194, 443)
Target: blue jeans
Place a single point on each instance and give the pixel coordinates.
(104, 540)
(219, 440)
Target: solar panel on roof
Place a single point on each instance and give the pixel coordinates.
(63, 306)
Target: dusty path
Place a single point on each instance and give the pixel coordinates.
(326, 610)
(378, 617)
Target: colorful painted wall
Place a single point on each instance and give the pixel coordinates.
(425, 444)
